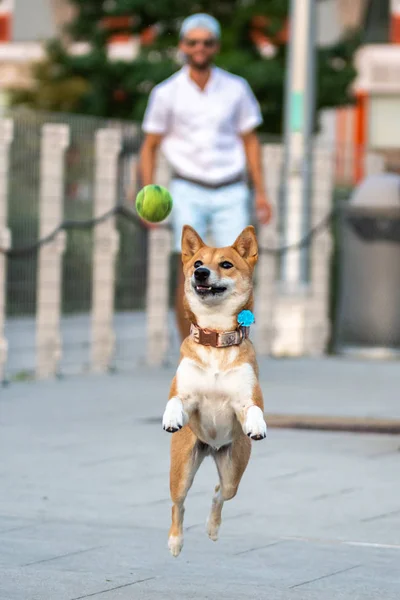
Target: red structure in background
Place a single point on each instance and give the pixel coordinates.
(6, 14)
(360, 126)
(5, 28)
(260, 38)
(121, 30)
(360, 135)
(395, 22)
(258, 29)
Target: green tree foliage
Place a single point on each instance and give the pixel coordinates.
(93, 84)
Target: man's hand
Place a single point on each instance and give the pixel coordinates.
(131, 194)
(263, 208)
(256, 171)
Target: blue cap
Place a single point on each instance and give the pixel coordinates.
(201, 21)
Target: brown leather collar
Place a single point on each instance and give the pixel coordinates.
(207, 337)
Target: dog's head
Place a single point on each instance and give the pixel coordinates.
(219, 278)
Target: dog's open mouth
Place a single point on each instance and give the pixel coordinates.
(206, 290)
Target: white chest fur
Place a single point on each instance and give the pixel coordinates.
(217, 393)
(210, 379)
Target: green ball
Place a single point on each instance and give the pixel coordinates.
(154, 203)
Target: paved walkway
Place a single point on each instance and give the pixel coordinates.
(84, 506)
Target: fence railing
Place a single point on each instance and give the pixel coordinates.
(97, 296)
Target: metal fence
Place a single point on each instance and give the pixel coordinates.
(36, 152)
(100, 297)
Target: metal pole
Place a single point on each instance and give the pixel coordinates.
(298, 130)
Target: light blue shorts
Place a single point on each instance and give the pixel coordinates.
(217, 213)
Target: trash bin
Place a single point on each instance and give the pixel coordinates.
(368, 315)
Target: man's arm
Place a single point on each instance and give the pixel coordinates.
(155, 126)
(148, 158)
(252, 148)
(146, 166)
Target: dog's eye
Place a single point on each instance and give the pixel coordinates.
(226, 265)
(197, 264)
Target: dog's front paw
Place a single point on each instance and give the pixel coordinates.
(255, 426)
(175, 544)
(174, 416)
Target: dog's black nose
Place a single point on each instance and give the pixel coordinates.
(201, 274)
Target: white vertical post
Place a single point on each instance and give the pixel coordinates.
(6, 137)
(158, 278)
(266, 270)
(316, 323)
(55, 140)
(299, 116)
(105, 249)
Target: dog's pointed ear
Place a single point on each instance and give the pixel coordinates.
(191, 243)
(246, 245)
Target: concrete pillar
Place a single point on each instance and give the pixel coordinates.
(302, 318)
(105, 249)
(55, 140)
(266, 270)
(317, 323)
(158, 280)
(6, 137)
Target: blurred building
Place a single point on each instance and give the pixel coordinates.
(28, 23)
(373, 124)
(377, 115)
(25, 25)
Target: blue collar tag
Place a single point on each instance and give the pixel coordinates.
(245, 318)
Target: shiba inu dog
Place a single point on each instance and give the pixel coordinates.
(215, 405)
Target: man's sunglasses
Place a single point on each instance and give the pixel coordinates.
(208, 43)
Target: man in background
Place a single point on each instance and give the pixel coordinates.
(204, 119)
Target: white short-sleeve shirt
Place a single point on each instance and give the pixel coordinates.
(202, 128)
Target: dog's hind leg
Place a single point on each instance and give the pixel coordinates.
(231, 463)
(187, 454)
